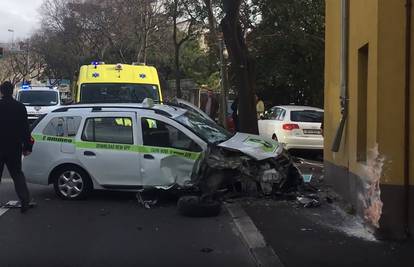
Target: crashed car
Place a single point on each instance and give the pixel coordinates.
(132, 147)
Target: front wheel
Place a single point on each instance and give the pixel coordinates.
(72, 183)
(194, 206)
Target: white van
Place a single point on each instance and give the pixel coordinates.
(39, 101)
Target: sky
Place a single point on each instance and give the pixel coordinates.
(20, 15)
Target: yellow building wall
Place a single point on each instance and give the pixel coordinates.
(412, 104)
(381, 25)
(332, 82)
(363, 29)
(391, 74)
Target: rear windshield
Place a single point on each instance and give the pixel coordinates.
(117, 93)
(38, 98)
(306, 116)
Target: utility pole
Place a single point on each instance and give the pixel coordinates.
(223, 82)
(217, 39)
(12, 42)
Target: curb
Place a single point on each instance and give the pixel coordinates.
(263, 255)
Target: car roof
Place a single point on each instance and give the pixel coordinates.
(161, 109)
(293, 107)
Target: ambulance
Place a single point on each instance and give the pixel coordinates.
(117, 83)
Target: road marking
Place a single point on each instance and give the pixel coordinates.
(3, 211)
(263, 254)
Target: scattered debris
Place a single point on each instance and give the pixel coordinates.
(207, 250)
(14, 204)
(145, 203)
(103, 212)
(308, 202)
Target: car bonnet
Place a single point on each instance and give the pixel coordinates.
(255, 146)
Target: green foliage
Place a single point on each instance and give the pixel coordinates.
(288, 45)
(200, 65)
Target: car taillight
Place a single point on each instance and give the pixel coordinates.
(290, 126)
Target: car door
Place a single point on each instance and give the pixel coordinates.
(169, 153)
(108, 152)
(271, 125)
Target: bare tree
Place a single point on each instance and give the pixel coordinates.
(23, 64)
(187, 24)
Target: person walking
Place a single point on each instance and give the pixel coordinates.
(15, 141)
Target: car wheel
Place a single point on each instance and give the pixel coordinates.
(274, 137)
(72, 183)
(193, 206)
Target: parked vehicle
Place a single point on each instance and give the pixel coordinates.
(79, 148)
(297, 127)
(39, 101)
(117, 83)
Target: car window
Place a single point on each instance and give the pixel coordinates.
(306, 116)
(281, 115)
(63, 126)
(116, 130)
(160, 134)
(204, 128)
(277, 114)
(38, 98)
(117, 93)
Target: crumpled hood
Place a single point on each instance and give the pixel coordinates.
(255, 146)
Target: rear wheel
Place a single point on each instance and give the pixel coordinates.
(72, 183)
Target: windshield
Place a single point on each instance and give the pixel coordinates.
(204, 128)
(38, 98)
(307, 116)
(117, 93)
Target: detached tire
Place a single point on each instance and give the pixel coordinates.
(72, 183)
(192, 206)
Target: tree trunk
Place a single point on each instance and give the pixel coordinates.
(242, 65)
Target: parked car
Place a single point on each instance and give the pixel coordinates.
(79, 148)
(39, 101)
(297, 127)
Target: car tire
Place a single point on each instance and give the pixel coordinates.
(274, 137)
(72, 183)
(193, 206)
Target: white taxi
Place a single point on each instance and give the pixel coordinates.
(79, 148)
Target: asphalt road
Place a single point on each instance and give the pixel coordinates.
(112, 229)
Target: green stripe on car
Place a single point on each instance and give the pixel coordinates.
(119, 147)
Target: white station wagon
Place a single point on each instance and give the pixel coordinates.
(79, 148)
(297, 127)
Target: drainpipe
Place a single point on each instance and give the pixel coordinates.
(407, 116)
(344, 74)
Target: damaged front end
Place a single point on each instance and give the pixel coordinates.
(224, 167)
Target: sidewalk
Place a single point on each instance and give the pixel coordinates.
(319, 237)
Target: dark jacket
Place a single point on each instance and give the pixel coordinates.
(14, 126)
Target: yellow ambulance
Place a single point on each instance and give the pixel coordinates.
(117, 83)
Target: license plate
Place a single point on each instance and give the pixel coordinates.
(312, 131)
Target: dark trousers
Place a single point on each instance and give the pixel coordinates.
(13, 162)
